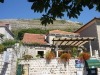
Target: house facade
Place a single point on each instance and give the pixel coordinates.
(39, 44)
(35, 45)
(91, 29)
(5, 31)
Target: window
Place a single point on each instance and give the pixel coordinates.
(41, 53)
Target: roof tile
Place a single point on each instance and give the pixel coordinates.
(60, 32)
(34, 38)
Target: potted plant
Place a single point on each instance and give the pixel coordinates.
(84, 56)
(49, 55)
(65, 58)
(74, 52)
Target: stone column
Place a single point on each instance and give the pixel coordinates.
(90, 48)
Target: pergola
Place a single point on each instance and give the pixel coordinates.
(75, 41)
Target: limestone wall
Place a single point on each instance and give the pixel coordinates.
(41, 67)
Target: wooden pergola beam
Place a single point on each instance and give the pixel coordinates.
(78, 41)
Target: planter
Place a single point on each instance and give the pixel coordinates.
(65, 58)
(49, 55)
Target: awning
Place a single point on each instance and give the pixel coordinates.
(75, 41)
(93, 63)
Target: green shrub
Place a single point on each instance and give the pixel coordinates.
(27, 57)
(35, 31)
(8, 43)
(1, 48)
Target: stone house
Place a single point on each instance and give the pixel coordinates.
(91, 29)
(34, 44)
(5, 32)
(39, 44)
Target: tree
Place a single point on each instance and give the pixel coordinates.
(55, 8)
(1, 1)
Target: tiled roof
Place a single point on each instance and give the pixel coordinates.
(3, 24)
(34, 38)
(60, 32)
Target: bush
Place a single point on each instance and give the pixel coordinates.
(27, 57)
(35, 31)
(1, 48)
(1, 35)
(8, 43)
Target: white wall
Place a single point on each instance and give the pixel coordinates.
(5, 32)
(31, 50)
(50, 39)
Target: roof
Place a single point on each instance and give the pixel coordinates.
(3, 24)
(87, 25)
(61, 32)
(30, 38)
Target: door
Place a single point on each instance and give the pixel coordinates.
(92, 71)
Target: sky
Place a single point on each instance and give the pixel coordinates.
(21, 9)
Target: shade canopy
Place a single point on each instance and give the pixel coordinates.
(76, 41)
(93, 63)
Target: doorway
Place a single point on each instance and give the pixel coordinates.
(92, 71)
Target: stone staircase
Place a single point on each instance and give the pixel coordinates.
(41, 67)
(7, 68)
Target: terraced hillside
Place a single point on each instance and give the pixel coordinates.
(33, 23)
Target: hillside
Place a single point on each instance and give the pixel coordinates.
(34, 23)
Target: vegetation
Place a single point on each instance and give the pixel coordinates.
(2, 1)
(65, 57)
(27, 57)
(84, 56)
(8, 43)
(35, 31)
(49, 55)
(1, 48)
(55, 8)
(32, 44)
(38, 56)
(74, 52)
(1, 35)
(19, 33)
